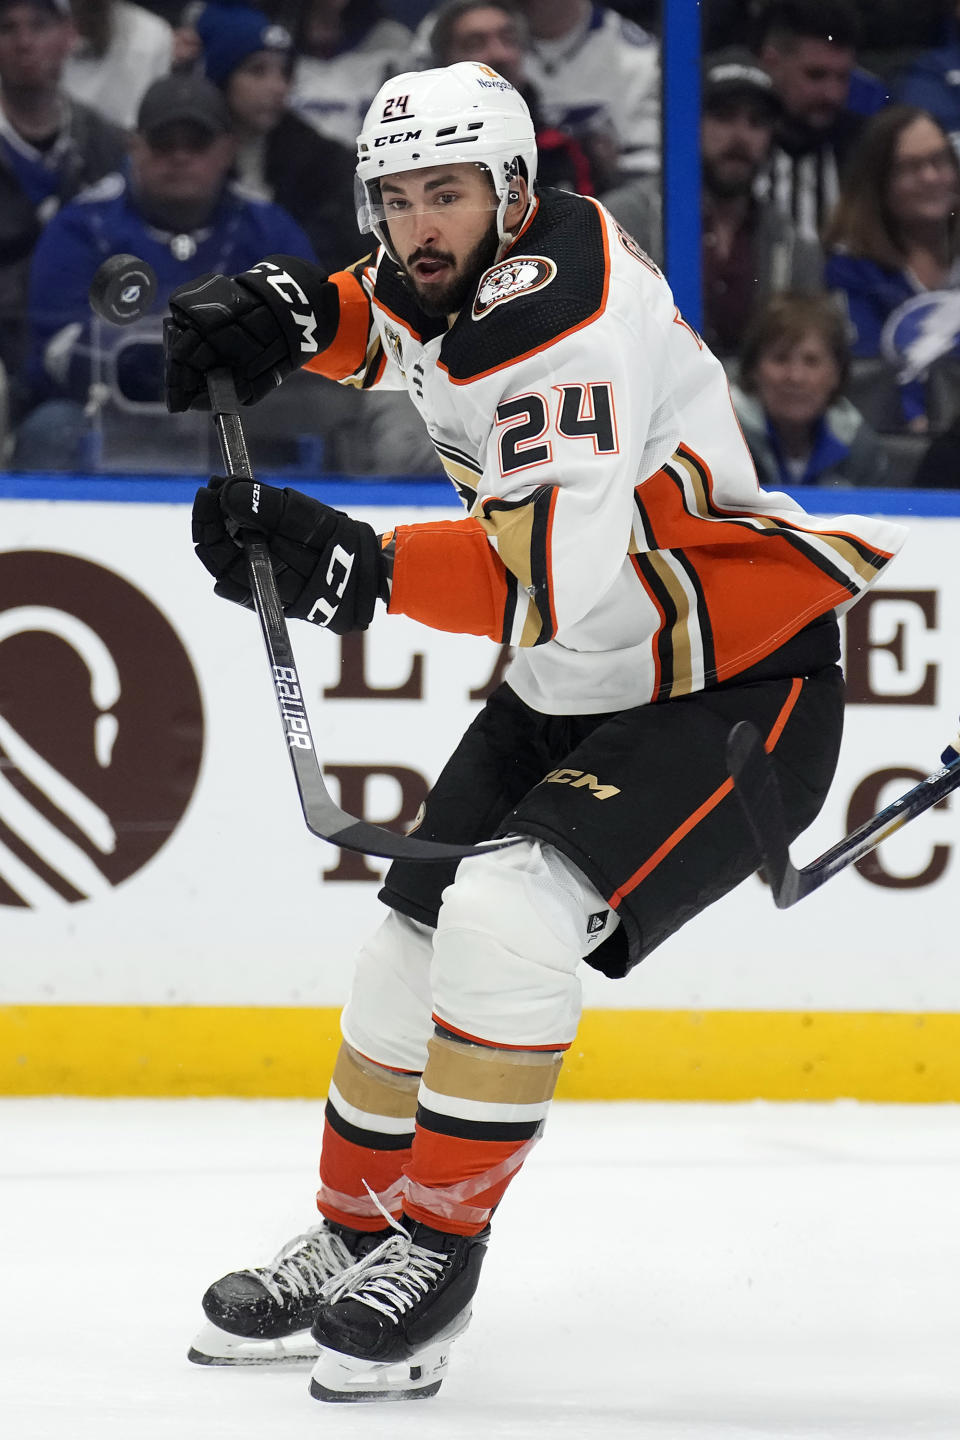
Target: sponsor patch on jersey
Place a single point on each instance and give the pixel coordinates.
(512, 278)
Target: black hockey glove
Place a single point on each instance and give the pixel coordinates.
(329, 568)
(260, 325)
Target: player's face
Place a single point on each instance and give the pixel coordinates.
(34, 43)
(797, 379)
(812, 78)
(923, 186)
(258, 90)
(442, 224)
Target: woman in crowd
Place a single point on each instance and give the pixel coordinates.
(895, 234)
(789, 400)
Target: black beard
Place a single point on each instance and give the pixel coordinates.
(726, 189)
(446, 300)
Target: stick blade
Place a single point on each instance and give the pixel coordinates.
(755, 783)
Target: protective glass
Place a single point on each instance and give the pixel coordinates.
(379, 202)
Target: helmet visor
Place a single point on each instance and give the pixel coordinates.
(443, 193)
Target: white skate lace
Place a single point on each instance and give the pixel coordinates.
(304, 1265)
(391, 1278)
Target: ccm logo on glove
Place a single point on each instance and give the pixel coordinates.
(329, 568)
(321, 612)
(289, 291)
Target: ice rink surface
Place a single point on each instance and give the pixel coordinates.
(666, 1272)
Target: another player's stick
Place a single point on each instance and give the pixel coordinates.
(756, 785)
(121, 292)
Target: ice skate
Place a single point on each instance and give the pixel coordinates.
(385, 1326)
(263, 1316)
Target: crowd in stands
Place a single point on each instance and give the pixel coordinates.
(202, 135)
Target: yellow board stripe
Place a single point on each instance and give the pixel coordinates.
(618, 1054)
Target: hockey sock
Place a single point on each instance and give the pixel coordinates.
(481, 1110)
(367, 1137)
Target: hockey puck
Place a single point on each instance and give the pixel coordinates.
(123, 289)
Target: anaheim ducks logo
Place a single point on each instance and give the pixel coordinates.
(101, 729)
(512, 278)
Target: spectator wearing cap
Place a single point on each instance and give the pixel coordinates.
(50, 148)
(345, 50)
(121, 49)
(809, 48)
(750, 251)
(279, 156)
(179, 213)
(493, 32)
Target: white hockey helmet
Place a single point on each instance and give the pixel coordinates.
(459, 113)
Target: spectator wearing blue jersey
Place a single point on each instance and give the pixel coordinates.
(50, 147)
(178, 212)
(931, 82)
(895, 233)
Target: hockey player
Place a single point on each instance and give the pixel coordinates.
(616, 535)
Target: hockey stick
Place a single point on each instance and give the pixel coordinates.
(324, 818)
(756, 785)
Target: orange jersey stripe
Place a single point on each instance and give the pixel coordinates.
(759, 588)
(446, 574)
(711, 803)
(349, 348)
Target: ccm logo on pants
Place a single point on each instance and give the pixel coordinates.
(580, 780)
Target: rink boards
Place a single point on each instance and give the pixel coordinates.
(169, 927)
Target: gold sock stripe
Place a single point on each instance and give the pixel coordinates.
(474, 1072)
(373, 1089)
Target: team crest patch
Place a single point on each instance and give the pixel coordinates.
(511, 278)
(395, 343)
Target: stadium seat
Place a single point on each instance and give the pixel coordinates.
(904, 453)
(873, 389)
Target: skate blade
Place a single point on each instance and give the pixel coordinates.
(213, 1346)
(346, 1378)
(342, 1379)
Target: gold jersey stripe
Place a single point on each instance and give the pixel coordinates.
(680, 641)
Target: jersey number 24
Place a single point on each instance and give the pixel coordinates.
(582, 411)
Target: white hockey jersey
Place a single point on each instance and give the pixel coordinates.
(616, 532)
